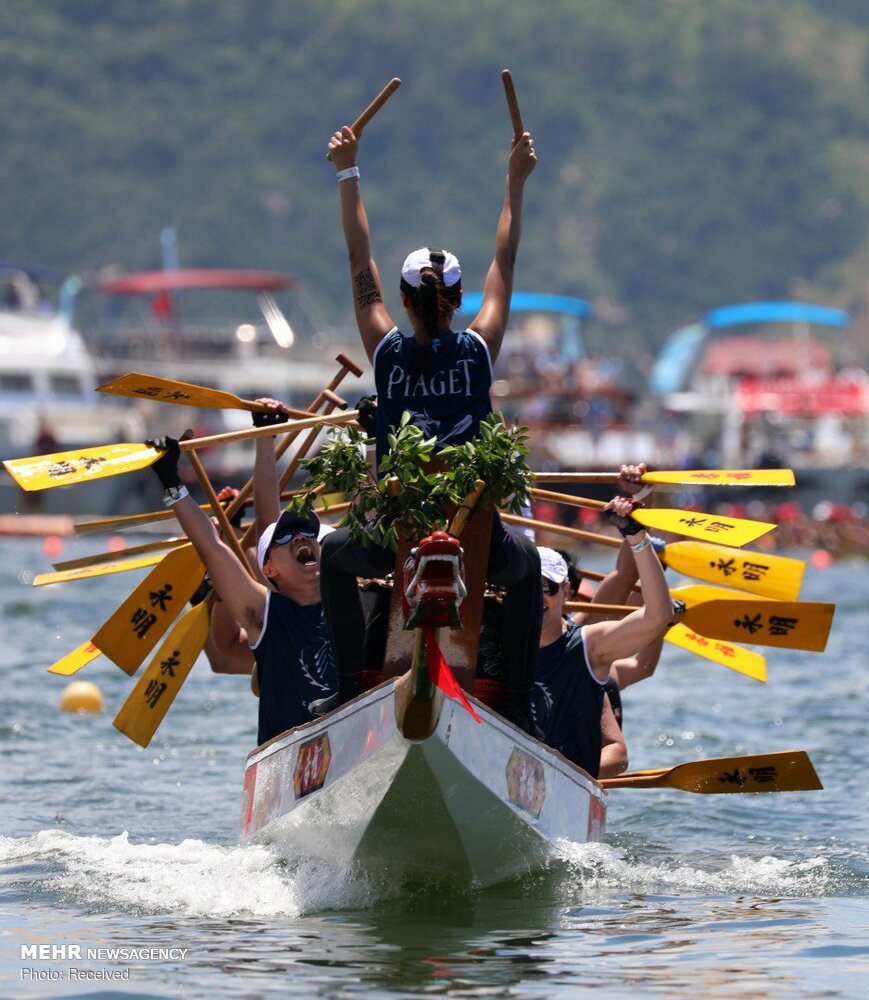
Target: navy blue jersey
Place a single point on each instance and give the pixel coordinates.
(448, 401)
(567, 700)
(294, 664)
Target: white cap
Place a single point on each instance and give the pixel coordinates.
(552, 565)
(420, 259)
(287, 525)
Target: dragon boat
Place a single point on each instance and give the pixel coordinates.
(417, 776)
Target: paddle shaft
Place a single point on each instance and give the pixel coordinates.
(558, 529)
(251, 433)
(128, 552)
(226, 529)
(466, 508)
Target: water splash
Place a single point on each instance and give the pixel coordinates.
(193, 878)
(602, 868)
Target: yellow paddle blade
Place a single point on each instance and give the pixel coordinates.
(67, 467)
(723, 477)
(697, 593)
(734, 531)
(167, 390)
(144, 709)
(728, 654)
(691, 477)
(759, 573)
(747, 618)
(133, 630)
(74, 661)
(787, 771)
(99, 569)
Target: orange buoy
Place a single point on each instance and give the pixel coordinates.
(82, 697)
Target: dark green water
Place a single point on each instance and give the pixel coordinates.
(105, 845)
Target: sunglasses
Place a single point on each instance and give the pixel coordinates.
(550, 587)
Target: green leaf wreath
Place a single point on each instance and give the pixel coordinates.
(408, 496)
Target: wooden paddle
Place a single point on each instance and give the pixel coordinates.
(145, 708)
(558, 529)
(708, 527)
(785, 771)
(227, 531)
(760, 573)
(105, 568)
(127, 521)
(129, 552)
(167, 390)
(143, 711)
(65, 468)
(80, 657)
(512, 103)
(133, 630)
(757, 572)
(373, 108)
(326, 396)
(727, 654)
(687, 477)
(784, 624)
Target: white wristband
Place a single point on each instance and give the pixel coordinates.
(174, 494)
(644, 544)
(345, 175)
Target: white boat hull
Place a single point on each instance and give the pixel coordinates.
(473, 803)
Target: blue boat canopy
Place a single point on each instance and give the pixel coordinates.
(775, 312)
(533, 302)
(571, 346)
(682, 349)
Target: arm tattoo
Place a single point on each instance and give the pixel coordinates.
(365, 288)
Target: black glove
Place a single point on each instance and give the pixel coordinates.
(367, 419)
(269, 418)
(626, 525)
(166, 466)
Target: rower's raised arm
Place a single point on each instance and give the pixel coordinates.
(491, 321)
(371, 315)
(244, 597)
(609, 641)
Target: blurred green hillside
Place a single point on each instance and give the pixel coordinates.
(691, 154)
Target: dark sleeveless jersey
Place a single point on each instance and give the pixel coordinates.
(447, 402)
(567, 700)
(294, 664)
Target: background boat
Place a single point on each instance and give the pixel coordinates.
(48, 379)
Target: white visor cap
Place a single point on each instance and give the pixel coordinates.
(420, 259)
(552, 565)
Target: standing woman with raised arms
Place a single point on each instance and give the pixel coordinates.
(442, 378)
